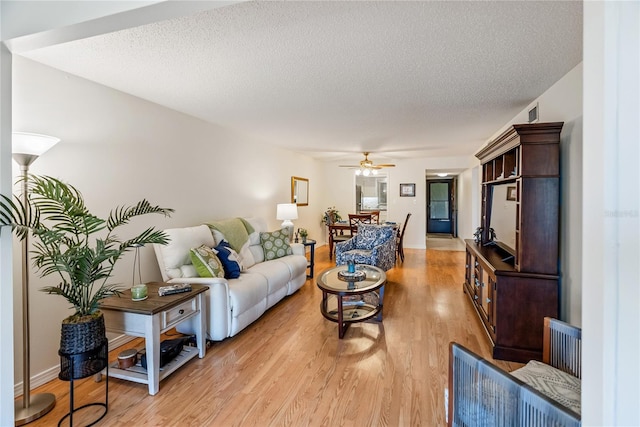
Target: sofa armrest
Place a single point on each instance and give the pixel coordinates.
(209, 281)
(347, 245)
(298, 249)
(385, 254)
(217, 304)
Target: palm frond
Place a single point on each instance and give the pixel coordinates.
(148, 236)
(121, 214)
(63, 204)
(19, 216)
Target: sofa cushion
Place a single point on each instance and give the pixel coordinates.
(206, 262)
(276, 273)
(229, 259)
(246, 292)
(246, 256)
(554, 383)
(259, 225)
(174, 257)
(275, 244)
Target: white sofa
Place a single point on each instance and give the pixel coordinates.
(232, 304)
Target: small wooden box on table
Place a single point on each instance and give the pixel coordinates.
(149, 319)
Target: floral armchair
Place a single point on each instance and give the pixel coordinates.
(372, 245)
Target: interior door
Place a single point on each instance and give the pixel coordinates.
(439, 206)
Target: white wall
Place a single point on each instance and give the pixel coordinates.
(6, 292)
(340, 192)
(468, 202)
(611, 218)
(118, 149)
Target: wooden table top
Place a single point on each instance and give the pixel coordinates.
(153, 304)
(329, 280)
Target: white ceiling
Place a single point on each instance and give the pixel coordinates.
(330, 79)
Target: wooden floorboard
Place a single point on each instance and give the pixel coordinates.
(290, 369)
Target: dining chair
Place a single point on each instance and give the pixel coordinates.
(400, 239)
(338, 233)
(375, 216)
(356, 219)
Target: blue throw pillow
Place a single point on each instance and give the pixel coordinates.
(229, 259)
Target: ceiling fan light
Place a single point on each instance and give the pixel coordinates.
(366, 172)
(375, 172)
(358, 172)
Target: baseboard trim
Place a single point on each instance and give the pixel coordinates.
(50, 374)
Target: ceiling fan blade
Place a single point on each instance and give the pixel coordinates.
(386, 165)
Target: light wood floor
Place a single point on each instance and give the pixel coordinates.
(290, 369)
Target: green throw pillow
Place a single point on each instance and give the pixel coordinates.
(275, 244)
(206, 262)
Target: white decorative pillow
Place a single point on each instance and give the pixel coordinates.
(554, 383)
(206, 262)
(246, 257)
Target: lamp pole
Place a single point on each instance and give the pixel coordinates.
(27, 148)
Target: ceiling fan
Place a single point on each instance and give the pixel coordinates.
(366, 166)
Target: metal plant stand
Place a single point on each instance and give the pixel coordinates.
(82, 365)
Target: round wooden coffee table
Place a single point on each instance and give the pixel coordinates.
(348, 299)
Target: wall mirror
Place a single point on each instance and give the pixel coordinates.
(299, 191)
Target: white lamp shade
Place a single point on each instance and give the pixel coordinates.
(32, 143)
(287, 211)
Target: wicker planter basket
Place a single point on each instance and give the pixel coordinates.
(84, 336)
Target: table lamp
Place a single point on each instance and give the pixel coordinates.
(287, 212)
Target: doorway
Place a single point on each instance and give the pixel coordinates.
(371, 194)
(440, 207)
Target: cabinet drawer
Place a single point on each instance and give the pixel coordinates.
(178, 313)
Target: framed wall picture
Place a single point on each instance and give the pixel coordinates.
(511, 193)
(407, 190)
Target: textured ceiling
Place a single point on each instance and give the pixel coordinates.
(399, 79)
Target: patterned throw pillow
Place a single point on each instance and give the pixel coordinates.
(275, 244)
(556, 384)
(206, 262)
(230, 260)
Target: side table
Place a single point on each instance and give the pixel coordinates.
(149, 319)
(81, 365)
(312, 247)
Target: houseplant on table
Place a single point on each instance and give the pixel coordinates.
(303, 234)
(78, 247)
(331, 216)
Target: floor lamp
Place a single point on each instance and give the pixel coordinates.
(27, 147)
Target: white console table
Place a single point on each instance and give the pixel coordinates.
(149, 319)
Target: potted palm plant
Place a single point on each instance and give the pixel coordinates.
(78, 247)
